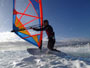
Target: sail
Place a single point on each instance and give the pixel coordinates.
(28, 13)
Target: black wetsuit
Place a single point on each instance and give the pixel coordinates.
(50, 34)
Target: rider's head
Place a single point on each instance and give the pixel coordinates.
(45, 23)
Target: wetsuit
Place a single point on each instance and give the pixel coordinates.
(50, 34)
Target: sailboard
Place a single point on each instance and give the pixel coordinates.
(28, 13)
(45, 51)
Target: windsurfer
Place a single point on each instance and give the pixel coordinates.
(50, 33)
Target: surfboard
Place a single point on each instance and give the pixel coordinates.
(45, 51)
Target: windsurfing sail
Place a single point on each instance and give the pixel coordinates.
(28, 13)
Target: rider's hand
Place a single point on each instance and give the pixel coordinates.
(31, 28)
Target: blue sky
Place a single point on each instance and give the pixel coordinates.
(69, 18)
